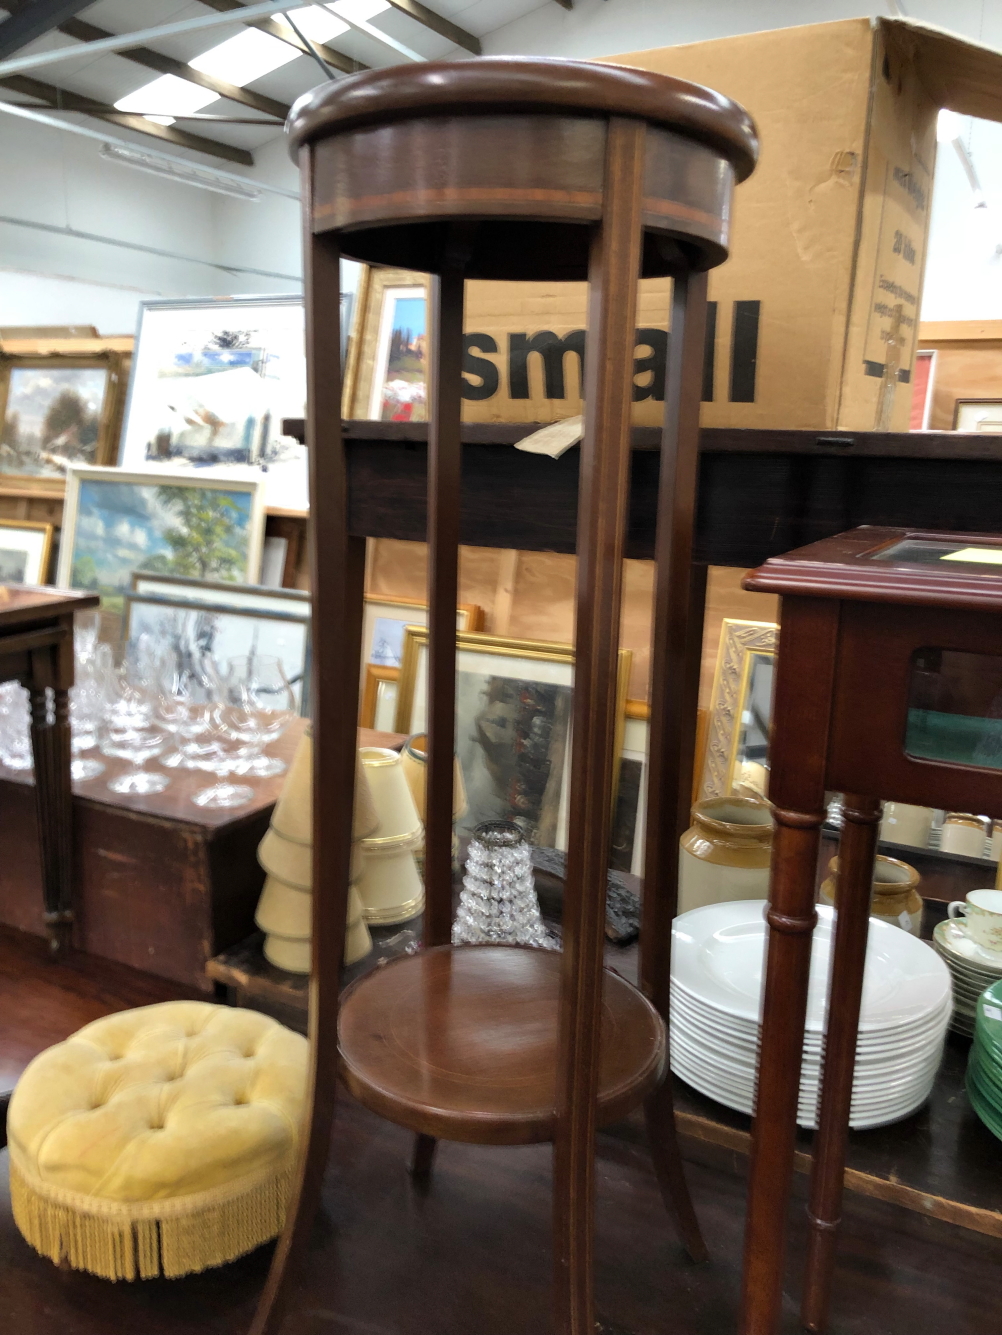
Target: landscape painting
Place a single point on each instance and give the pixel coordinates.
(400, 373)
(52, 418)
(212, 384)
(119, 523)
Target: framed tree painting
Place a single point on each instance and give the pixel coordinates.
(115, 523)
(513, 726)
(211, 382)
(57, 411)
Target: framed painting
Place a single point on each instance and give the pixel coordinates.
(923, 379)
(736, 758)
(57, 410)
(385, 619)
(211, 382)
(242, 597)
(628, 823)
(379, 698)
(116, 522)
(977, 415)
(224, 632)
(386, 376)
(25, 551)
(513, 726)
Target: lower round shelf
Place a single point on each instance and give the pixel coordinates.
(461, 1043)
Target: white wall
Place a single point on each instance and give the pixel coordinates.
(60, 180)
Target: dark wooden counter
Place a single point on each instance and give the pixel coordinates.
(760, 492)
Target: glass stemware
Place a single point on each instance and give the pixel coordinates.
(259, 684)
(86, 709)
(223, 749)
(15, 732)
(130, 738)
(186, 693)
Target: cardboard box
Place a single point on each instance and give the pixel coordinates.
(814, 322)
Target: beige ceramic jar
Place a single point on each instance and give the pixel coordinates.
(725, 853)
(895, 897)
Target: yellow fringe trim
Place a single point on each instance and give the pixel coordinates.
(145, 1239)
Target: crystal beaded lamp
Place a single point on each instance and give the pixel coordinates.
(498, 904)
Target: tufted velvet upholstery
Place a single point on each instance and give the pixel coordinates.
(160, 1102)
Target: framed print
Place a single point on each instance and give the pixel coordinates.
(513, 726)
(387, 378)
(379, 698)
(224, 632)
(385, 619)
(57, 410)
(923, 378)
(116, 522)
(736, 759)
(977, 415)
(211, 382)
(25, 551)
(628, 822)
(236, 597)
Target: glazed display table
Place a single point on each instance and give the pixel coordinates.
(161, 885)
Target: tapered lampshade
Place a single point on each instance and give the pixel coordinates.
(414, 761)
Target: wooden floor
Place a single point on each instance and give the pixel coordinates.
(472, 1255)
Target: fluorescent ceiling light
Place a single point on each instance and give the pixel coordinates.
(317, 22)
(948, 126)
(166, 98)
(242, 59)
(187, 173)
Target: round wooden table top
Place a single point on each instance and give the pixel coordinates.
(461, 1043)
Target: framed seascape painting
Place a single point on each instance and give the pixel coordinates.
(211, 382)
(115, 523)
(513, 726)
(25, 551)
(57, 411)
(386, 376)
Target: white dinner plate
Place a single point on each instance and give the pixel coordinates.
(718, 955)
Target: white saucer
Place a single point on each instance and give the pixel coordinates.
(952, 937)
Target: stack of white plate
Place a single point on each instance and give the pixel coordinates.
(718, 956)
(972, 967)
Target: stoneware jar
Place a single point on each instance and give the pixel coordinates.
(725, 853)
(963, 833)
(895, 898)
(906, 824)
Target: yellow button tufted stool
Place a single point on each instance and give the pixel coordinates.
(158, 1141)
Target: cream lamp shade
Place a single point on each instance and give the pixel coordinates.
(414, 761)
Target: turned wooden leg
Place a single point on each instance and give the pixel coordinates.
(791, 918)
(857, 850)
(613, 270)
(50, 744)
(422, 1155)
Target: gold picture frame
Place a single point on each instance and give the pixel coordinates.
(38, 553)
(556, 668)
(741, 644)
(370, 341)
(378, 681)
(109, 423)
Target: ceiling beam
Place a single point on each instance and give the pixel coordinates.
(52, 96)
(415, 10)
(337, 59)
(153, 60)
(32, 19)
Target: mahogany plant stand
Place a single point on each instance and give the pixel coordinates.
(890, 656)
(510, 169)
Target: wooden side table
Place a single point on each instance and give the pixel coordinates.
(36, 649)
(888, 687)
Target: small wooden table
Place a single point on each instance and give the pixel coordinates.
(36, 649)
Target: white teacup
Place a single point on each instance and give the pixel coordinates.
(982, 912)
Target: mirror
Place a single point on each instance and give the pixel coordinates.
(736, 759)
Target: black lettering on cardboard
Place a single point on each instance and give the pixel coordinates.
(552, 350)
(484, 370)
